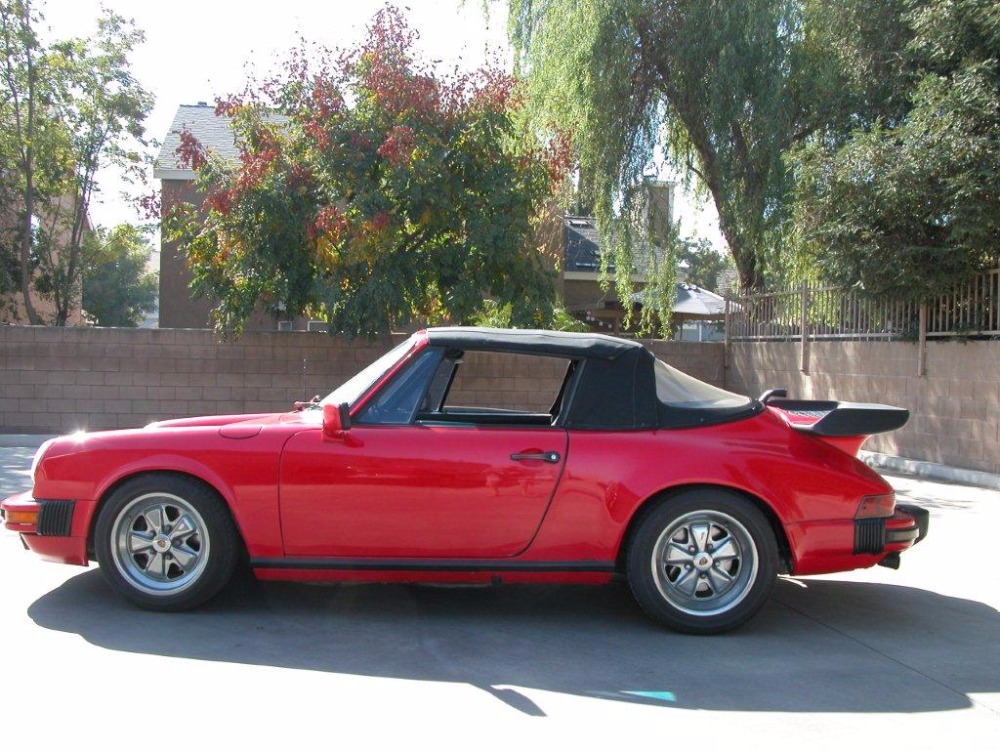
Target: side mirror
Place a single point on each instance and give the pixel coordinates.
(336, 421)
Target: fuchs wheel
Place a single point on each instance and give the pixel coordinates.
(703, 562)
(166, 542)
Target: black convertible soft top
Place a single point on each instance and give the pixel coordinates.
(614, 387)
(552, 343)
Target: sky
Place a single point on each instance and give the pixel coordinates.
(197, 50)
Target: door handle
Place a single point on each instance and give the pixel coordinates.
(549, 457)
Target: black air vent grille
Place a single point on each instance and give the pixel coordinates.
(55, 517)
(869, 536)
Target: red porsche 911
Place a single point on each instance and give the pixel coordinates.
(434, 465)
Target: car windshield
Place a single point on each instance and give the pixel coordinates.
(353, 389)
(676, 389)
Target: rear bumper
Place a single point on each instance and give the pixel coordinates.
(900, 531)
(849, 544)
(907, 526)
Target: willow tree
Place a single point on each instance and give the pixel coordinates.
(724, 88)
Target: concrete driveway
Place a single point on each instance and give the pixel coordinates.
(905, 658)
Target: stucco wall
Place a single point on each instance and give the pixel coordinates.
(955, 405)
(64, 379)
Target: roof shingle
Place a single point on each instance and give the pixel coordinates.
(213, 131)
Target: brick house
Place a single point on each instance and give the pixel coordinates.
(178, 309)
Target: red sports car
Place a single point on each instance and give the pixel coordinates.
(436, 464)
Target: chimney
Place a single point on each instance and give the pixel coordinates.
(659, 210)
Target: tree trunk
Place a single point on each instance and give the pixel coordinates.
(25, 253)
(743, 251)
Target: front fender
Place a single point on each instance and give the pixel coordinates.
(243, 472)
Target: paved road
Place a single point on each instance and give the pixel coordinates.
(909, 658)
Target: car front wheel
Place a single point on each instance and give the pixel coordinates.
(166, 542)
(703, 562)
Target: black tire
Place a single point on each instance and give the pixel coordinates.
(166, 542)
(703, 561)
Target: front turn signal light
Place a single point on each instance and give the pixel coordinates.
(21, 517)
(877, 506)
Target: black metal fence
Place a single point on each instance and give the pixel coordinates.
(825, 312)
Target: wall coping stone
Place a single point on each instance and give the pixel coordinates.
(928, 470)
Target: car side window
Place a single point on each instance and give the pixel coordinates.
(497, 388)
(397, 401)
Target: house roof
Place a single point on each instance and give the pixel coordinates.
(214, 132)
(691, 302)
(582, 248)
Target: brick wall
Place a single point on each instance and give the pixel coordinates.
(61, 379)
(55, 380)
(508, 381)
(954, 406)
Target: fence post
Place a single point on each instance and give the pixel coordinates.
(804, 331)
(725, 342)
(922, 341)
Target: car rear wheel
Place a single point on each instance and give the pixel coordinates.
(703, 562)
(165, 542)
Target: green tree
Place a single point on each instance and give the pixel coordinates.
(118, 290)
(24, 131)
(910, 206)
(704, 263)
(725, 88)
(66, 110)
(371, 192)
(493, 315)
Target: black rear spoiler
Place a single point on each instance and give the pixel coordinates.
(842, 418)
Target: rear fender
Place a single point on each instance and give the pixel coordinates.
(780, 536)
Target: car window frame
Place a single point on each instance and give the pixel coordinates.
(364, 415)
(372, 377)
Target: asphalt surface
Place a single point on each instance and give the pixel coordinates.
(907, 658)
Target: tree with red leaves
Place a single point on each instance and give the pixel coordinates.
(372, 192)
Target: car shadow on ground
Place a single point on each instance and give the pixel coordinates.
(819, 645)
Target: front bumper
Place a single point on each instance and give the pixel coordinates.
(46, 527)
